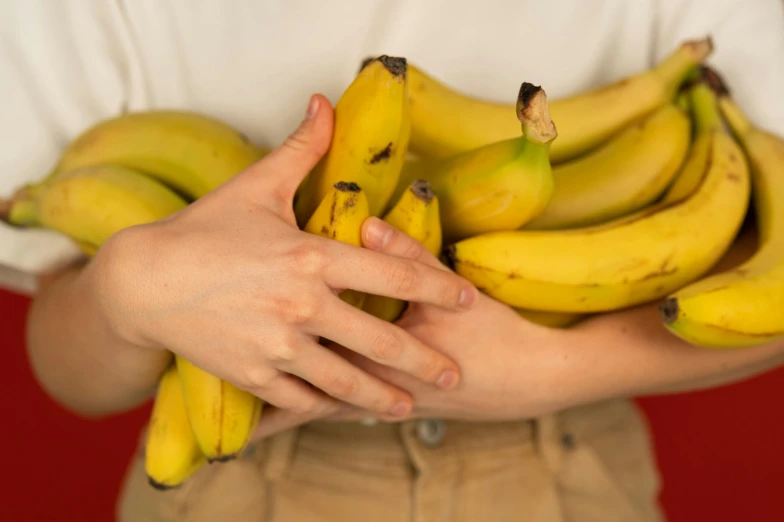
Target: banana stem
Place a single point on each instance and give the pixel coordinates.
(534, 115)
(676, 67)
(705, 108)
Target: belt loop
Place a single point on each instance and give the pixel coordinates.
(274, 454)
(548, 438)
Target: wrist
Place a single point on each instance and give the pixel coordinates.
(113, 285)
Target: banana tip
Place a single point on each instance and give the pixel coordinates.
(715, 81)
(449, 256)
(422, 190)
(160, 486)
(221, 458)
(669, 310)
(533, 113)
(397, 66)
(701, 48)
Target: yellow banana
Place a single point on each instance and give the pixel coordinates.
(340, 216)
(634, 259)
(370, 139)
(171, 454)
(90, 204)
(222, 416)
(500, 186)
(550, 319)
(190, 152)
(627, 173)
(415, 214)
(744, 306)
(446, 122)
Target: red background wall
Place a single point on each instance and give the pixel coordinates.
(717, 466)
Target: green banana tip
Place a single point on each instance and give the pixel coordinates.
(669, 310)
(715, 81)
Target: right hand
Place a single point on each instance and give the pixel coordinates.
(232, 285)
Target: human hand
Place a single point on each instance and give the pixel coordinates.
(511, 368)
(232, 285)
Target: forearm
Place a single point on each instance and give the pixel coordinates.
(76, 357)
(631, 353)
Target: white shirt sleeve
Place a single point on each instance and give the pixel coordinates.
(748, 38)
(64, 66)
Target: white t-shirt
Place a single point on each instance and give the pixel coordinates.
(254, 64)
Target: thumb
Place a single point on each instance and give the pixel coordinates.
(285, 167)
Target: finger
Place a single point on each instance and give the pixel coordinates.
(335, 376)
(385, 343)
(379, 235)
(287, 165)
(290, 393)
(381, 274)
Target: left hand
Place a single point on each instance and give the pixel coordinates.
(511, 368)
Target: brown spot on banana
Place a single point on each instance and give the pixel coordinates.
(422, 190)
(383, 155)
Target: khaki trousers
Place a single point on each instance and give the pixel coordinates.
(589, 464)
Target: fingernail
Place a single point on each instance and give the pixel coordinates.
(447, 379)
(378, 234)
(313, 108)
(466, 298)
(400, 409)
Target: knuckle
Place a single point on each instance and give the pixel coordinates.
(403, 277)
(341, 385)
(308, 257)
(431, 367)
(298, 141)
(386, 346)
(411, 248)
(281, 353)
(307, 406)
(450, 290)
(256, 379)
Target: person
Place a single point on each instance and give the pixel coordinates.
(479, 415)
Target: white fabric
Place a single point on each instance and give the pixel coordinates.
(66, 64)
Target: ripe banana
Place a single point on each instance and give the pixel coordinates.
(500, 186)
(446, 122)
(172, 454)
(634, 259)
(624, 175)
(90, 204)
(415, 214)
(370, 140)
(742, 307)
(340, 216)
(190, 152)
(222, 416)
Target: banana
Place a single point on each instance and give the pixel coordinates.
(340, 216)
(415, 214)
(370, 139)
(625, 174)
(446, 122)
(172, 454)
(90, 204)
(550, 319)
(631, 260)
(221, 415)
(741, 307)
(193, 153)
(500, 186)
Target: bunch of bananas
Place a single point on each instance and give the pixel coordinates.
(626, 194)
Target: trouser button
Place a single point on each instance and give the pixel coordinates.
(430, 432)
